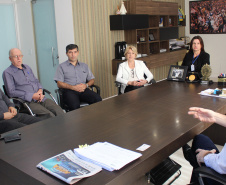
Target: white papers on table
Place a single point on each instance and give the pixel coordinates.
(143, 147)
(209, 92)
(107, 155)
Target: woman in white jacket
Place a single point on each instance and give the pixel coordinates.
(131, 72)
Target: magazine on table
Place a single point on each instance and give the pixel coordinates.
(68, 167)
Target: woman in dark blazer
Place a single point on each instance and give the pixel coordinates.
(196, 57)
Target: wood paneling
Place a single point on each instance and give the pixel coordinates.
(95, 40)
(151, 7)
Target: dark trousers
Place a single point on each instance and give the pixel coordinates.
(73, 98)
(131, 88)
(18, 121)
(203, 142)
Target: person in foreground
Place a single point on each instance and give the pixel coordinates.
(75, 78)
(131, 72)
(9, 118)
(196, 57)
(20, 82)
(203, 150)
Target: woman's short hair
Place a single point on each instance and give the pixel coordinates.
(133, 48)
(200, 40)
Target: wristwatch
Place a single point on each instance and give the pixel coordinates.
(87, 85)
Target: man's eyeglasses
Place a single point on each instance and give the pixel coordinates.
(17, 56)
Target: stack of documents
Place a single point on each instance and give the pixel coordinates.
(210, 92)
(107, 155)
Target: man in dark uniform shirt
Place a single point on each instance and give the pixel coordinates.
(9, 118)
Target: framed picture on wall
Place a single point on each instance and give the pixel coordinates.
(207, 17)
(177, 73)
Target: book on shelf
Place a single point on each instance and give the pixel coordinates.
(68, 167)
(161, 22)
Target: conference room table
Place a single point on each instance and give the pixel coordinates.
(155, 115)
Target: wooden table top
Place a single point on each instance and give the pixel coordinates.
(154, 115)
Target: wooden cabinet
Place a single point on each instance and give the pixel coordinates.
(153, 42)
(154, 39)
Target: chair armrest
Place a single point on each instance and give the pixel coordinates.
(210, 173)
(152, 81)
(95, 87)
(118, 84)
(24, 104)
(58, 93)
(19, 100)
(17, 105)
(48, 92)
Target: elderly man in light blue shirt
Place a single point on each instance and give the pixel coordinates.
(74, 78)
(20, 82)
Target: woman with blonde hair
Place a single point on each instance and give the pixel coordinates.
(131, 72)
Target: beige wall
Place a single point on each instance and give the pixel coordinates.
(96, 41)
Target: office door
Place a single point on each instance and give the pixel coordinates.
(46, 42)
(8, 38)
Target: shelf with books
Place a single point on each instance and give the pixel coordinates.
(173, 20)
(160, 29)
(153, 34)
(163, 21)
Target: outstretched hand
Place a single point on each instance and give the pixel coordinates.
(204, 115)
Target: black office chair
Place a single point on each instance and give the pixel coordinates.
(163, 171)
(22, 105)
(118, 84)
(59, 93)
(207, 172)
